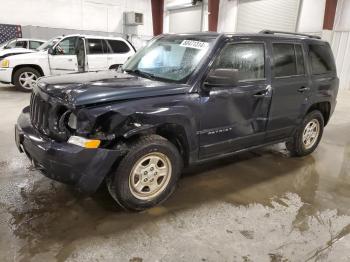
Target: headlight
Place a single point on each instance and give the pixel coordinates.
(72, 121)
(84, 142)
(5, 63)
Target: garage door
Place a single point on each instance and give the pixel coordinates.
(185, 20)
(255, 15)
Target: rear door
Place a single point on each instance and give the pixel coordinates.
(120, 52)
(291, 88)
(235, 116)
(96, 57)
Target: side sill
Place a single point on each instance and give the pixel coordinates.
(239, 151)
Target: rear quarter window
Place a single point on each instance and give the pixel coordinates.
(321, 59)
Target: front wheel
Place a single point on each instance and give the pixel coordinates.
(308, 135)
(25, 78)
(147, 175)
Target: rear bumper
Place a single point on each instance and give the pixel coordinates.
(67, 163)
(6, 75)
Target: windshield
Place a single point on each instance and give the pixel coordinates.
(49, 44)
(5, 43)
(171, 58)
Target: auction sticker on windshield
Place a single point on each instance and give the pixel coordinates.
(194, 44)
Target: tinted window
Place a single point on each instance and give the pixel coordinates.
(321, 59)
(247, 59)
(300, 60)
(95, 46)
(118, 46)
(34, 44)
(66, 46)
(284, 60)
(22, 44)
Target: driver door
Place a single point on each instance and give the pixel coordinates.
(234, 115)
(63, 59)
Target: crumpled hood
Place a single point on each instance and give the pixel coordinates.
(80, 89)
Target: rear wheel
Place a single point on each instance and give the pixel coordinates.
(147, 175)
(25, 78)
(308, 135)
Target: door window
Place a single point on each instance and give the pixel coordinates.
(118, 46)
(288, 60)
(22, 44)
(94, 47)
(247, 58)
(284, 60)
(321, 58)
(34, 44)
(66, 46)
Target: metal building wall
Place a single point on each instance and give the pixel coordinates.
(341, 49)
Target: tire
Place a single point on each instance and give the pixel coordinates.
(131, 184)
(312, 121)
(25, 73)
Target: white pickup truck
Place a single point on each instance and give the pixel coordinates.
(63, 55)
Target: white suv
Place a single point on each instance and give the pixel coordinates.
(63, 55)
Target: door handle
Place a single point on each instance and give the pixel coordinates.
(303, 89)
(263, 93)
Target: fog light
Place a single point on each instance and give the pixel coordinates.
(5, 63)
(84, 142)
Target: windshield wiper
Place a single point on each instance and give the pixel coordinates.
(141, 73)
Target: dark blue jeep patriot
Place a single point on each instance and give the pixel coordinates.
(181, 100)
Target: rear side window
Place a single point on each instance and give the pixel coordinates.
(95, 46)
(34, 44)
(321, 59)
(288, 60)
(118, 46)
(248, 59)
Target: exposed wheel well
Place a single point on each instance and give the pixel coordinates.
(176, 134)
(36, 67)
(324, 108)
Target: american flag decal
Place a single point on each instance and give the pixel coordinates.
(8, 32)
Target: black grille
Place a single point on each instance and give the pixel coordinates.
(39, 113)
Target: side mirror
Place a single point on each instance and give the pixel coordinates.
(222, 77)
(50, 51)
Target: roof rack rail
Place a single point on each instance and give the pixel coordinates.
(271, 32)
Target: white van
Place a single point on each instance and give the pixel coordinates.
(64, 55)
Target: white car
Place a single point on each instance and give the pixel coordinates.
(63, 55)
(26, 43)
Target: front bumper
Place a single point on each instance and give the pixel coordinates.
(67, 163)
(6, 75)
